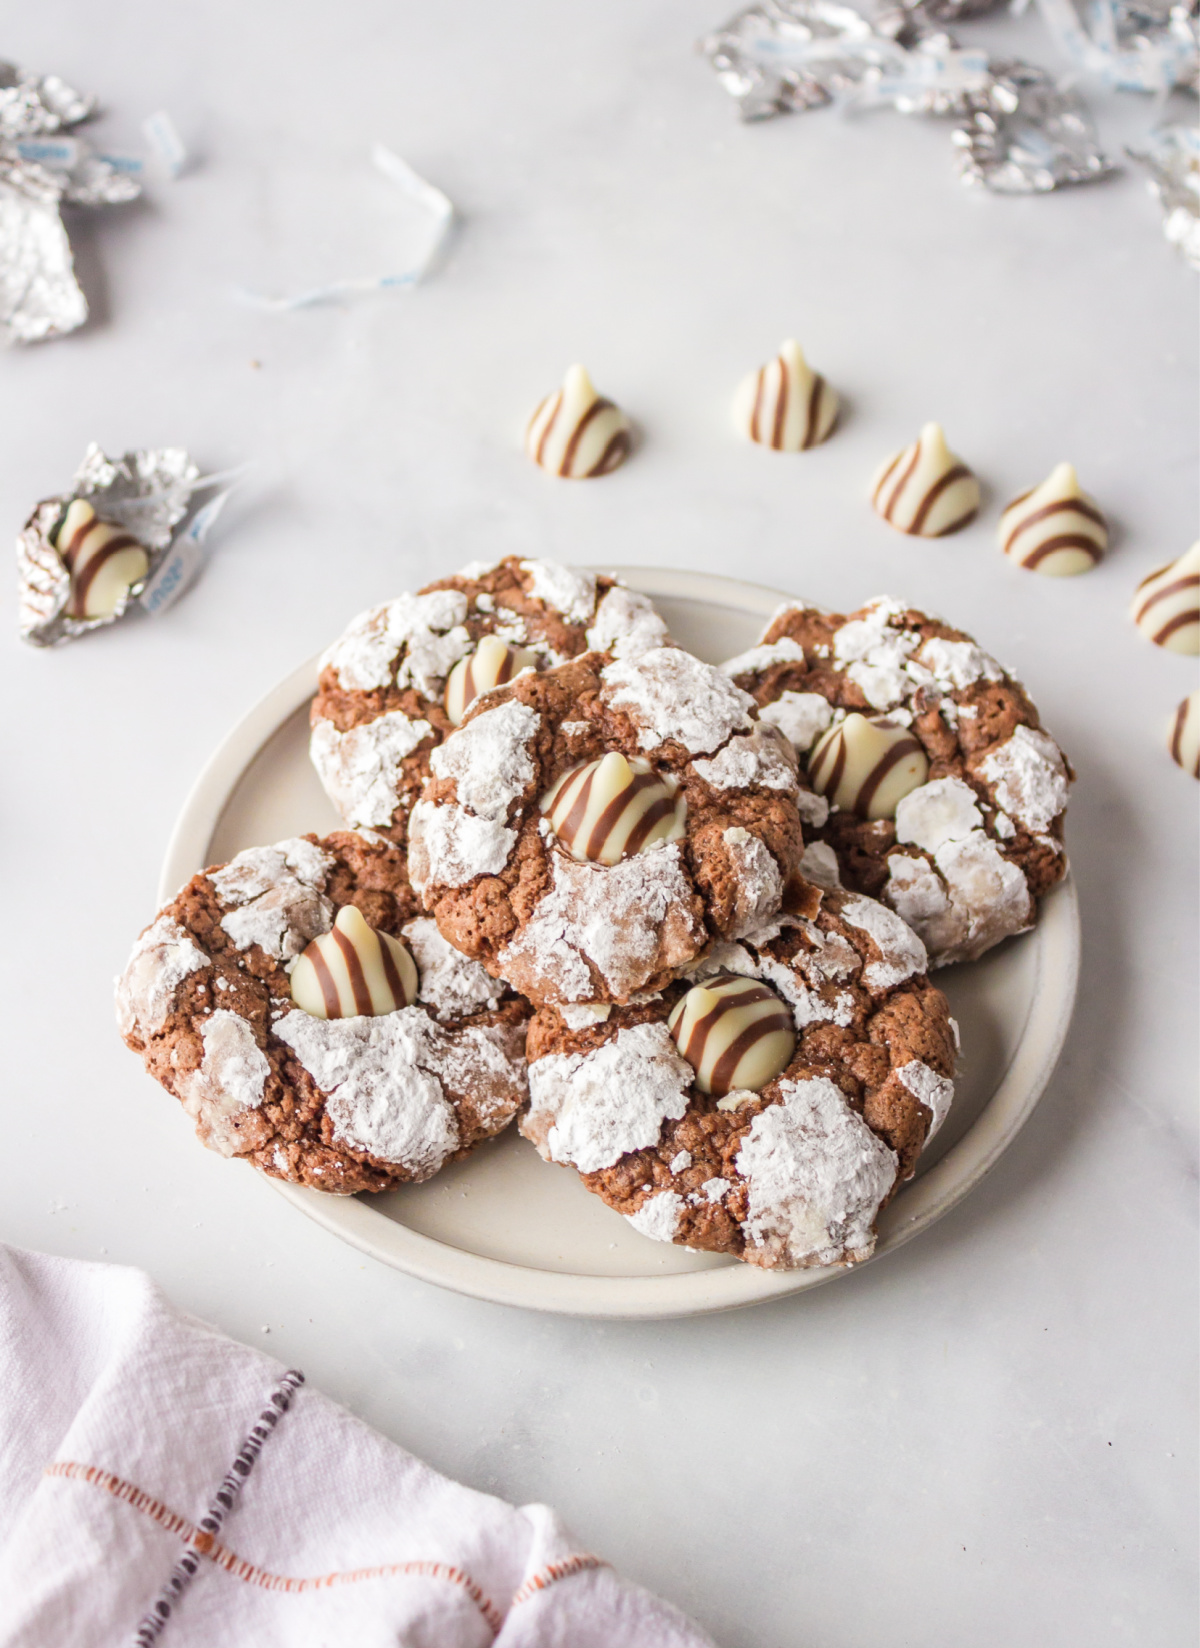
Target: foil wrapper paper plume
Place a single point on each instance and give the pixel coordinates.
(147, 493)
(44, 165)
(1019, 131)
(434, 207)
(1171, 155)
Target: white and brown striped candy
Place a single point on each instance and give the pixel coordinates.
(1166, 607)
(867, 765)
(925, 490)
(1183, 738)
(735, 1033)
(491, 664)
(576, 433)
(610, 809)
(1055, 528)
(785, 405)
(353, 970)
(103, 561)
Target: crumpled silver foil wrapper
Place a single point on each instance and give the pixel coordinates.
(1029, 135)
(781, 56)
(1171, 155)
(1131, 45)
(146, 492)
(911, 20)
(766, 57)
(42, 164)
(1023, 133)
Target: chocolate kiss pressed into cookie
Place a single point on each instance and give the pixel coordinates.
(867, 765)
(354, 969)
(610, 809)
(492, 664)
(734, 1032)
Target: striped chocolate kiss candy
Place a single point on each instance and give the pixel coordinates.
(103, 561)
(867, 765)
(1055, 529)
(353, 970)
(925, 490)
(576, 433)
(491, 664)
(1166, 607)
(785, 405)
(610, 809)
(1183, 738)
(734, 1032)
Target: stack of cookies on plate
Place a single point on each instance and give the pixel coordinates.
(673, 919)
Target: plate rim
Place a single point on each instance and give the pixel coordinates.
(686, 1293)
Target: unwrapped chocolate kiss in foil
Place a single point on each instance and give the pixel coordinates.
(144, 496)
(1171, 155)
(43, 164)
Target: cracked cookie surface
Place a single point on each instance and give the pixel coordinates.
(341, 1104)
(505, 890)
(969, 852)
(380, 708)
(793, 1175)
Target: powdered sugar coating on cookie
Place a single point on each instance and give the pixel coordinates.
(759, 757)
(935, 1092)
(626, 624)
(229, 1080)
(955, 664)
(672, 697)
(362, 770)
(276, 896)
(161, 959)
(783, 651)
(972, 896)
(800, 716)
(587, 1110)
(451, 846)
(759, 881)
(427, 629)
(875, 656)
(816, 1177)
(658, 1216)
(630, 921)
(488, 759)
(1029, 776)
(450, 983)
(943, 810)
(901, 953)
(386, 1080)
(569, 590)
(891, 663)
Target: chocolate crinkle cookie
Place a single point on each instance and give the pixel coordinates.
(590, 830)
(933, 784)
(768, 1104)
(401, 677)
(309, 1020)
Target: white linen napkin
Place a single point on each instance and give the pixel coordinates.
(160, 1483)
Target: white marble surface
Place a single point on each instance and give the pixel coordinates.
(987, 1438)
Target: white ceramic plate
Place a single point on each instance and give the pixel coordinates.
(505, 1226)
